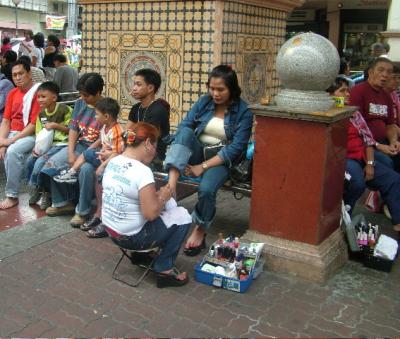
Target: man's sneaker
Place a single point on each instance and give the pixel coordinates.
(36, 194)
(78, 220)
(45, 203)
(64, 210)
(66, 176)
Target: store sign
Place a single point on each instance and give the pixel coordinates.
(365, 4)
(365, 28)
(55, 22)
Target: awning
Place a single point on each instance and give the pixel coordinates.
(8, 25)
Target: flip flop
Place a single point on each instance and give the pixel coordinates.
(11, 203)
(195, 250)
(97, 232)
(95, 221)
(171, 279)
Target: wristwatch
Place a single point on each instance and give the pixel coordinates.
(204, 165)
(371, 162)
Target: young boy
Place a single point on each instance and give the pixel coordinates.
(111, 142)
(56, 116)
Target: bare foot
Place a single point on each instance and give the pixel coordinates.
(8, 203)
(196, 238)
(396, 227)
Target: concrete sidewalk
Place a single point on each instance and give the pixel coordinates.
(57, 282)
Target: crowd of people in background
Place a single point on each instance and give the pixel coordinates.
(91, 156)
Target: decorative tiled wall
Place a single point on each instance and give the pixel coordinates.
(251, 38)
(180, 40)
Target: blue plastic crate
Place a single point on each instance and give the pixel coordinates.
(221, 281)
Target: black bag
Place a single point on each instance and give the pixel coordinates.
(212, 151)
(241, 173)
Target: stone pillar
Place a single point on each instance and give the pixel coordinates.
(393, 30)
(298, 179)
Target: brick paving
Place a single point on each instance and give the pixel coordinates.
(62, 287)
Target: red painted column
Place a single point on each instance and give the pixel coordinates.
(298, 173)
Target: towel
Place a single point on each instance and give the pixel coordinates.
(174, 214)
(27, 103)
(386, 248)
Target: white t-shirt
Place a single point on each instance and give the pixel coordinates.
(214, 132)
(39, 54)
(23, 50)
(122, 180)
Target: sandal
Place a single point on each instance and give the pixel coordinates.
(97, 232)
(171, 279)
(88, 225)
(193, 251)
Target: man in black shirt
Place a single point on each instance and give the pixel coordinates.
(149, 109)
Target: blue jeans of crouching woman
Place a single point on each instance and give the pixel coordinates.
(156, 234)
(187, 149)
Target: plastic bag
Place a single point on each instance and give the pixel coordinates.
(43, 141)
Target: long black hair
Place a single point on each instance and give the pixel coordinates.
(229, 76)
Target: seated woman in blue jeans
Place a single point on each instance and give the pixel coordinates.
(133, 211)
(219, 118)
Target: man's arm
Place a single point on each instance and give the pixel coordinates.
(4, 131)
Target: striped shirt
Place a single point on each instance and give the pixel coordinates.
(111, 139)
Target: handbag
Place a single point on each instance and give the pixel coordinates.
(241, 172)
(212, 150)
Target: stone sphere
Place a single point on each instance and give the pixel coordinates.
(307, 62)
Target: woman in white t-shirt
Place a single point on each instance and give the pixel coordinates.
(132, 206)
(37, 52)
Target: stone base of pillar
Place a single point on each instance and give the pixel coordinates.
(315, 263)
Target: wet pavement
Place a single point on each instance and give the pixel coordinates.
(56, 282)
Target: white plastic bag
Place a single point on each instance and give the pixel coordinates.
(43, 141)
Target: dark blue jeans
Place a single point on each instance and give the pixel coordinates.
(385, 180)
(62, 193)
(34, 166)
(156, 234)
(187, 149)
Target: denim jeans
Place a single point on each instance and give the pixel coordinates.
(34, 166)
(14, 162)
(385, 180)
(61, 193)
(187, 149)
(155, 233)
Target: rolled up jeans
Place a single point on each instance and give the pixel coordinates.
(187, 149)
(14, 162)
(62, 193)
(156, 234)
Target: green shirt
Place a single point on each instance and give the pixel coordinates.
(61, 115)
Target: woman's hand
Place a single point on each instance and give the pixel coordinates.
(369, 172)
(194, 171)
(386, 149)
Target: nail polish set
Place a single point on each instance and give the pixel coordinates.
(230, 263)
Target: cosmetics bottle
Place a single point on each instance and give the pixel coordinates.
(220, 239)
(212, 251)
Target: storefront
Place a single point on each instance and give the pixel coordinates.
(352, 25)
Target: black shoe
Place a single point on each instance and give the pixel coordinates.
(97, 232)
(171, 279)
(193, 251)
(90, 224)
